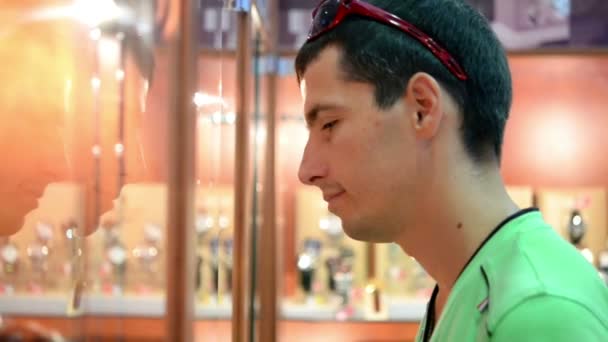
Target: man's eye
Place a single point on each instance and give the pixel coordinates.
(330, 125)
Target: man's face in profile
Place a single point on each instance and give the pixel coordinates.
(362, 157)
(32, 132)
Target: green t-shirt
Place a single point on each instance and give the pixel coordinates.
(525, 283)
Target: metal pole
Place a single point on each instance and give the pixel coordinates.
(268, 242)
(180, 207)
(242, 184)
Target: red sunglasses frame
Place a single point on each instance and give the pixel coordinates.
(361, 8)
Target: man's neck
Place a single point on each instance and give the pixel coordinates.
(452, 229)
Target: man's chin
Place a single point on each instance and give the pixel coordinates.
(365, 234)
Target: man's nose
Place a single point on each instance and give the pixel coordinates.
(312, 166)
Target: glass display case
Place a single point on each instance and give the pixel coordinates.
(85, 221)
(97, 91)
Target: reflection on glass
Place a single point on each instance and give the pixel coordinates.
(344, 283)
(9, 254)
(39, 252)
(228, 244)
(307, 264)
(215, 266)
(148, 254)
(78, 129)
(114, 266)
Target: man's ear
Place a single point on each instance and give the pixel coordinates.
(423, 95)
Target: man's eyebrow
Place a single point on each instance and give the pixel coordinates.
(313, 113)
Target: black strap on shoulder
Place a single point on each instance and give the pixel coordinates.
(429, 325)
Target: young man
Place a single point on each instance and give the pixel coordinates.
(406, 103)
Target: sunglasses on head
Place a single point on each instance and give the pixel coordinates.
(330, 13)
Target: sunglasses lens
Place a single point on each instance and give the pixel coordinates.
(324, 16)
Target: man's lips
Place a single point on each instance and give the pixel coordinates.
(331, 195)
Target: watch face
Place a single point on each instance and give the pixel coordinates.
(312, 246)
(117, 255)
(214, 245)
(44, 231)
(228, 246)
(224, 222)
(9, 254)
(576, 227)
(146, 253)
(70, 233)
(38, 252)
(305, 262)
(203, 223)
(153, 232)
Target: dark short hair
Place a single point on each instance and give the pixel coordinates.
(388, 58)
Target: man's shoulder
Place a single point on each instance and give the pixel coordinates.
(550, 318)
(537, 262)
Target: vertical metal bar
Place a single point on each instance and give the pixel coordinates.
(268, 242)
(96, 137)
(180, 207)
(120, 151)
(371, 261)
(242, 184)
